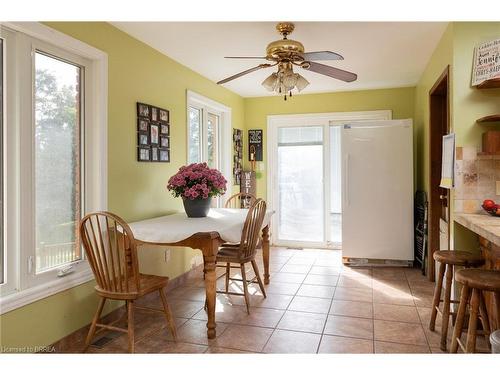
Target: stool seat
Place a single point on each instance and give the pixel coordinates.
(458, 258)
(488, 280)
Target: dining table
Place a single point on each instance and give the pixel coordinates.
(207, 234)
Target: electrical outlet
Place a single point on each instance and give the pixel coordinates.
(167, 255)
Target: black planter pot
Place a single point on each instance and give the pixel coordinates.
(197, 207)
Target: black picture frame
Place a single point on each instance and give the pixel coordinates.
(164, 155)
(255, 142)
(142, 124)
(154, 134)
(155, 154)
(164, 142)
(143, 154)
(143, 110)
(143, 139)
(163, 116)
(164, 129)
(154, 114)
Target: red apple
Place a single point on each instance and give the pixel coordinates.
(488, 204)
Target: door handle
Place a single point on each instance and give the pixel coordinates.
(443, 197)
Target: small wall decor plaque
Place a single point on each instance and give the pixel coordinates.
(254, 146)
(153, 134)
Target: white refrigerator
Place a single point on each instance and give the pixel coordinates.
(377, 194)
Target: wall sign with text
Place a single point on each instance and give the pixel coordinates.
(255, 145)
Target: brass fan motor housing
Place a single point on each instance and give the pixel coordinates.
(285, 48)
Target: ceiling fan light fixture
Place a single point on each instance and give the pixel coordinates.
(270, 83)
(301, 83)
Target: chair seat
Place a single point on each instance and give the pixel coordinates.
(488, 280)
(458, 258)
(231, 254)
(147, 284)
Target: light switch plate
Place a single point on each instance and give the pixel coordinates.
(498, 188)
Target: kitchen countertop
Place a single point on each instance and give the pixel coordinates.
(485, 225)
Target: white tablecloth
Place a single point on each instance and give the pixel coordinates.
(228, 222)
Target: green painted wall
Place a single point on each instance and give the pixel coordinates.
(440, 59)
(467, 104)
(136, 72)
(399, 100)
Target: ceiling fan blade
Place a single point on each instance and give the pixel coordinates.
(330, 71)
(258, 67)
(321, 55)
(245, 57)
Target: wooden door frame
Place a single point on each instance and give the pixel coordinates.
(440, 89)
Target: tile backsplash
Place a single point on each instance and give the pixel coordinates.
(477, 177)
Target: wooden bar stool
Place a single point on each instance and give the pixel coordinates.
(448, 260)
(475, 282)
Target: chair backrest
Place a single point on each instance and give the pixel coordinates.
(111, 251)
(252, 228)
(240, 200)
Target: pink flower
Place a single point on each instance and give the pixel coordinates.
(197, 181)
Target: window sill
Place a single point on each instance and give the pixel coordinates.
(19, 299)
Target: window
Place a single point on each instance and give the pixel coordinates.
(209, 134)
(58, 161)
(2, 255)
(204, 136)
(53, 160)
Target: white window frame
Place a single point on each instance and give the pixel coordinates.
(224, 147)
(22, 287)
(324, 120)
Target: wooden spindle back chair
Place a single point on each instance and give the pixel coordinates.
(240, 200)
(112, 254)
(245, 251)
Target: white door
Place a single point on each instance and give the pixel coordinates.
(377, 214)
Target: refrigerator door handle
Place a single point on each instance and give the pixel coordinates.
(346, 179)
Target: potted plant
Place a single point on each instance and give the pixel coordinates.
(196, 184)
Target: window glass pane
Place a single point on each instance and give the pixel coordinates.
(302, 135)
(2, 263)
(194, 135)
(300, 186)
(57, 162)
(212, 143)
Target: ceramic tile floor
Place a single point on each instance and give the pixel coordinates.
(314, 304)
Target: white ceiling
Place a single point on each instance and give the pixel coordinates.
(383, 54)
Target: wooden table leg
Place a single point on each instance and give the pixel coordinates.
(210, 280)
(265, 252)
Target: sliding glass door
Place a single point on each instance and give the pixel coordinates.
(300, 184)
(308, 186)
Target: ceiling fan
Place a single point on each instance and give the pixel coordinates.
(286, 53)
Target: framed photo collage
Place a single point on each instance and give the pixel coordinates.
(153, 134)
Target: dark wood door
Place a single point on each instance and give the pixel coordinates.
(439, 210)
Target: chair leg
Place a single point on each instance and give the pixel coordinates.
(446, 307)
(130, 325)
(93, 325)
(168, 314)
(228, 275)
(245, 286)
(437, 296)
(483, 315)
(471, 333)
(256, 271)
(459, 324)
